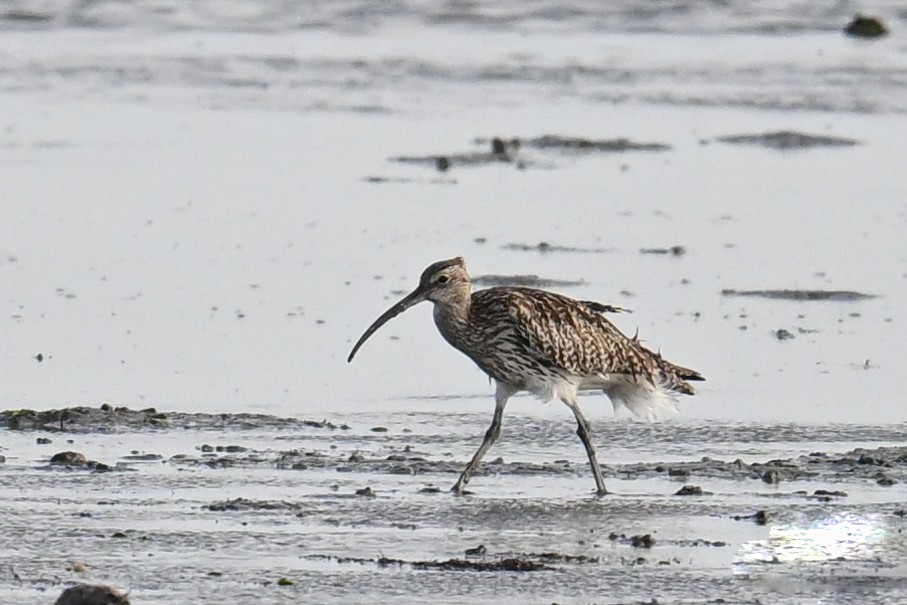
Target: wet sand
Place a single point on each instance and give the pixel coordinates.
(211, 507)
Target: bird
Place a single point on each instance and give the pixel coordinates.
(544, 343)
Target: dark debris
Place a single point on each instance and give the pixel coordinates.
(546, 247)
(245, 505)
(109, 419)
(518, 564)
(801, 295)
(787, 139)
(526, 280)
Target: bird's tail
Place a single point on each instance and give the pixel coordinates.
(675, 377)
(643, 398)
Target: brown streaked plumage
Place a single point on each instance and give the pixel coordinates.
(544, 343)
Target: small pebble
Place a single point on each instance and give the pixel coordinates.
(689, 490)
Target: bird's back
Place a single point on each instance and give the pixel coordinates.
(520, 330)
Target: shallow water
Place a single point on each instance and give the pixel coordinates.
(201, 212)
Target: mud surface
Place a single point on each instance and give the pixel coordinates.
(208, 507)
(529, 280)
(545, 247)
(788, 140)
(519, 152)
(107, 418)
(802, 295)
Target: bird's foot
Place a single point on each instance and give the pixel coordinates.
(459, 489)
(601, 492)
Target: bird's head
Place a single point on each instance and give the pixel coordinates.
(443, 282)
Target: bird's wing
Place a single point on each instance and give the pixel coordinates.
(576, 336)
(602, 308)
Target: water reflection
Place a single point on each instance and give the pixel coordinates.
(839, 537)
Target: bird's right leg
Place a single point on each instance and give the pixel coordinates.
(582, 429)
(502, 394)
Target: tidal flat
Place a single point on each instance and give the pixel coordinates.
(178, 506)
(203, 207)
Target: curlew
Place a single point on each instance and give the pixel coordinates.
(547, 344)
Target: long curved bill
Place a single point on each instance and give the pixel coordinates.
(413, 298)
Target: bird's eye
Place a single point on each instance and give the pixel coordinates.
(443, 279)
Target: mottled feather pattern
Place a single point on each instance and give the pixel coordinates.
(561, 336)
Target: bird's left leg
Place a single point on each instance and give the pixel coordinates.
(582, 429)
(502, 394)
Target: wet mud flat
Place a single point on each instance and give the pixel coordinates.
(204, 508)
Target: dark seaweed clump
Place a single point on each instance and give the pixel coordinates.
(108, 418)
(526, 280)
(801, 295)
(519, 564)
(787, 139)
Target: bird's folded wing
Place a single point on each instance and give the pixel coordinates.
(573, 336)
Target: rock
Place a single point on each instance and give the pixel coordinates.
(771, 476)
(689, 490)
(871, 460)
(43, 441)
(365, 491)
(69, 459)
(833, 493)
(866, 27)
(760, 517)
(285, 582)
(91, 594)
(642, 541)
(673, 250)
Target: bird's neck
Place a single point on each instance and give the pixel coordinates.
(452, 319)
